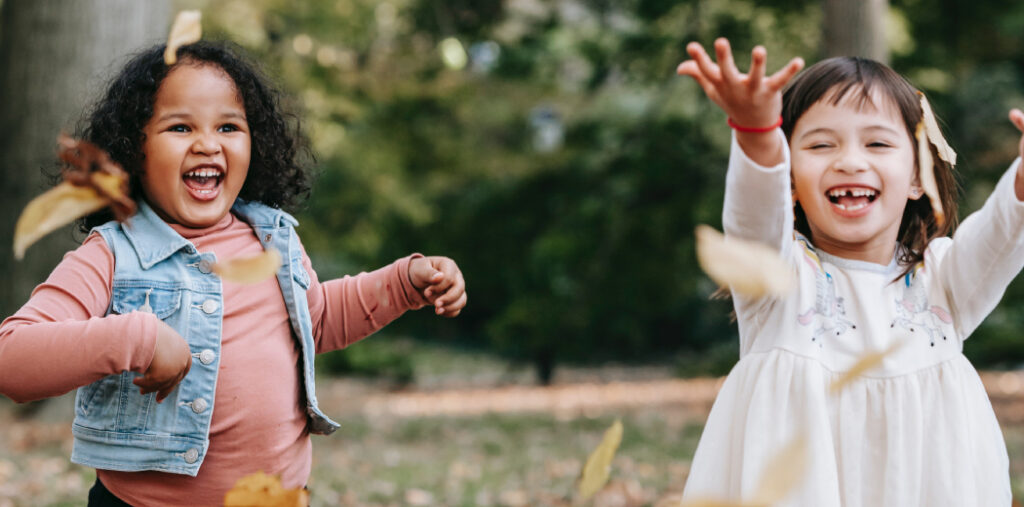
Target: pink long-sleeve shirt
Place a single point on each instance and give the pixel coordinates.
(61, 340)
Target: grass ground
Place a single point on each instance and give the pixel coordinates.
(380, 458)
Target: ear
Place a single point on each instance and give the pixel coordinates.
(915, 192)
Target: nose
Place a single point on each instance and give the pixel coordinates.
(206, 144)
(850, 161)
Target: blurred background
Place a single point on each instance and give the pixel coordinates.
(549, 148)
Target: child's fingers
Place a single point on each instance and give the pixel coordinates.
(455, 308)
(452, 292)
(708, 68)
(690, 68)
(780, 78)
(758, 60)
(723, 53)
(1017, 117)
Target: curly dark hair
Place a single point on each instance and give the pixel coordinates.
(831, 81)
(277, 176)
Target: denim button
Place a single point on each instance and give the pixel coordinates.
(198, 406)
(205, 266)
(207, 356)
(209, 306)
(191, 455)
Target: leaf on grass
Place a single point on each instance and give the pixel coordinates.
(185, 30)
(54, 208)
(783, 473)
(931, 126)
(862, 365)
(598, 465)
(926, 173)
(91, 182)
(747, 267)
(262, 490)
(248, 270)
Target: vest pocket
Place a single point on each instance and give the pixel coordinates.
(299, 272)
(158, 300)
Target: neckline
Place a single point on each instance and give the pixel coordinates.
(859, 265)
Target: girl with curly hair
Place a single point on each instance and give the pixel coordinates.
(187, 382)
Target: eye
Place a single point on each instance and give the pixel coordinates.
(230, 127)
(879, 144)
(178, 128)
(819, 146)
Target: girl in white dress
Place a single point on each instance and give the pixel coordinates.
(836, 191)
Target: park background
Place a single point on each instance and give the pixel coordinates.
(550, 149)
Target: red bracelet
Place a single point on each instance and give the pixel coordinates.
(741, 128)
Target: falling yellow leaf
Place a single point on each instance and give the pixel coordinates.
(262, 490)
(931, 126)
(783, 473)
(598, 465)
(862, 365)
(926, 173)
(185, 30)
(54, 208)
(747, 267)
(249, 270)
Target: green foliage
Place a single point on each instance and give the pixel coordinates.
(566, 166)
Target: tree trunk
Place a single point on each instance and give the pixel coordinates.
(55, 56)
(856, 28)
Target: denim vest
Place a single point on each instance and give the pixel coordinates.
(158, 271)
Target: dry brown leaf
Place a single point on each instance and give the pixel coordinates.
(54, 208)
(783, 473)
(931, 126)
(926, 173)
(862, 365)
(747, 267)
(249, 270)
(185, 30)
(598, 465)
(262, 490)
(86, 165)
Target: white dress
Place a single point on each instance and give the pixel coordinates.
(919, 429)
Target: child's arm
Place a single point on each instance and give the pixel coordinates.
(60, 340)
(758, 202)
(350, 308)
(987, 251)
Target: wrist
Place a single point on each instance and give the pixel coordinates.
(754, 129)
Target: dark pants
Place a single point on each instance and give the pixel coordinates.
(100, 496)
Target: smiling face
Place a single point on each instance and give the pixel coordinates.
(853, 172)
(197, 146)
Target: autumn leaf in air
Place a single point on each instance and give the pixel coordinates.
(185, 30)
(780, 477)
(926, 173)
(931, 126)
(249, 270)
(262, 490)
(91, 182)
(865, 363)
(747, 267)
(598, 466)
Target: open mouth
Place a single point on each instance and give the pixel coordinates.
(851, 198)
(204, 182)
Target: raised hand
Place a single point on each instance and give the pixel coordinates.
(440, 281)
(751, 100)
(171, 361)
(1017, 117)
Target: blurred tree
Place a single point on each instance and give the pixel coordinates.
(856, 28)
(548, 147)
(53, 56)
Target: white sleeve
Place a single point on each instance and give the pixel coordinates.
(759, 200)
(985, 255)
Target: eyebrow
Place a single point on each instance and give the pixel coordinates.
(170, 116)
(826, 130)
